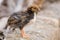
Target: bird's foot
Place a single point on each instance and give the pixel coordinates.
(25, 36)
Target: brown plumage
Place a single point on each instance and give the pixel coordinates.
(20, 19)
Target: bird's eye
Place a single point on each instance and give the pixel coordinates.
(34, 8)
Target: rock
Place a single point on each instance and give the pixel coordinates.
(46, 26)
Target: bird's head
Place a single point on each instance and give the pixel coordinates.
(34, 8)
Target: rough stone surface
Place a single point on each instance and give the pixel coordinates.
(46, 26)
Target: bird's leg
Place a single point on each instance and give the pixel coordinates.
(23, 34)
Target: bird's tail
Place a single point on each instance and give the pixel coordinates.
(2, 36)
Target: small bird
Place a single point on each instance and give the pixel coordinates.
(20, 19)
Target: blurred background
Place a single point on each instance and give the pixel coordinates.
(47, 25)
